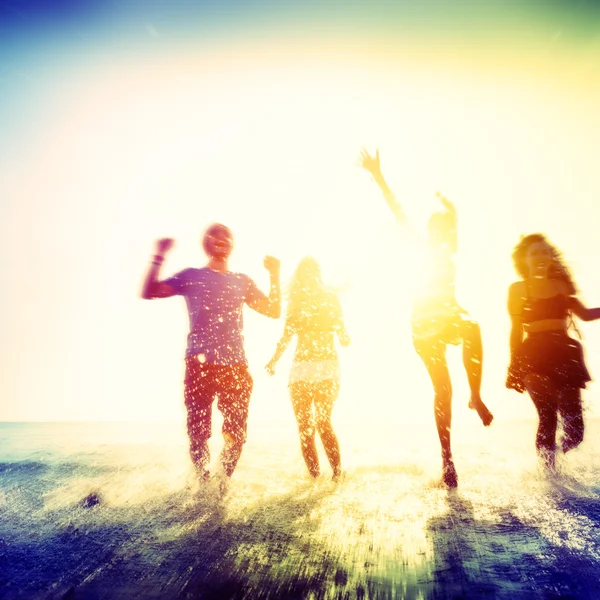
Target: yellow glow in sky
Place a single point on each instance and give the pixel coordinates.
(265, 139)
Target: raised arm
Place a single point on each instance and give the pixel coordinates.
(372, 165)
(581, 311)
(152, 286)
(270, 305)
(449, 206)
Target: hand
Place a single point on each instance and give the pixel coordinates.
(270, 368)
(370, 163)
(272, 265)
(447, 204)
(344, 338)
(164, 245)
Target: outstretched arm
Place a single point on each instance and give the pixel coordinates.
(270, 305)
(152, 287)
(282, 344)
(584, 313)
(516, 336)
(515, 308)
(340, 327)
(371, 164)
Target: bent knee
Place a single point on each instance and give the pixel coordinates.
(324, 425)
(306, 432)
(470, 329)
(234, 440)
(443, 393)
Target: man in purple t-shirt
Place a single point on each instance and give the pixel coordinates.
(215, 362)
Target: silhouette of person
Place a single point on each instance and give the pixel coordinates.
(215, 361)
(437, 319)
(314, 315)
(544, 359)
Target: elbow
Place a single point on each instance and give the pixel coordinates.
(583, 315)
(148, 294)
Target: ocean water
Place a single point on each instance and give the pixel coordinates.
(111, 510)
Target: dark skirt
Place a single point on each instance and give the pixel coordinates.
(552, 354)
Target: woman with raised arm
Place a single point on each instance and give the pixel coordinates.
(438, 320)
(545, 360)
(314, 315)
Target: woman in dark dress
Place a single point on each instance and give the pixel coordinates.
(545, 360)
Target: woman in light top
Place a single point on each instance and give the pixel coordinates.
(437, 319)
(314, 315)
(544, 359)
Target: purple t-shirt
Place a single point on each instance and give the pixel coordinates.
(214, 301)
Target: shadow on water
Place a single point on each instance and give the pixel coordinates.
(506, 559)
(180, 549)
(181, 546)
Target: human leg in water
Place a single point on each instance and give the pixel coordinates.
(473, 362)
(234, 398)
(325, 394)
(434, 357)
(302, 397)
(570, 410)
(545, 399)
(199, 391)
(198, 427)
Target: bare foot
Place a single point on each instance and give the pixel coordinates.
(569, 445)
(476, 403)
(338, 475)
(547, 460)
(449, 475)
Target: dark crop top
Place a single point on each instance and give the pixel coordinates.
(540, 309)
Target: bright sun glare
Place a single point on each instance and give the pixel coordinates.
(264, 150)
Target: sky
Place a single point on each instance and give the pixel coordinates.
(123, 122)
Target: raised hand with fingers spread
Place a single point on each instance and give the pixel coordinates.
(437, 318)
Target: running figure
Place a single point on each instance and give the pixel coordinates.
(547, 362)
(314, 314)
(215, 362)
(438, 320)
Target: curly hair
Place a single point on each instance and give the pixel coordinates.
(558, 269)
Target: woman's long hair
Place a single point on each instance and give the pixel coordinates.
(558, 269)
(306, 290)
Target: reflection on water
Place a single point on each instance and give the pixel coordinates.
(96, 507)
